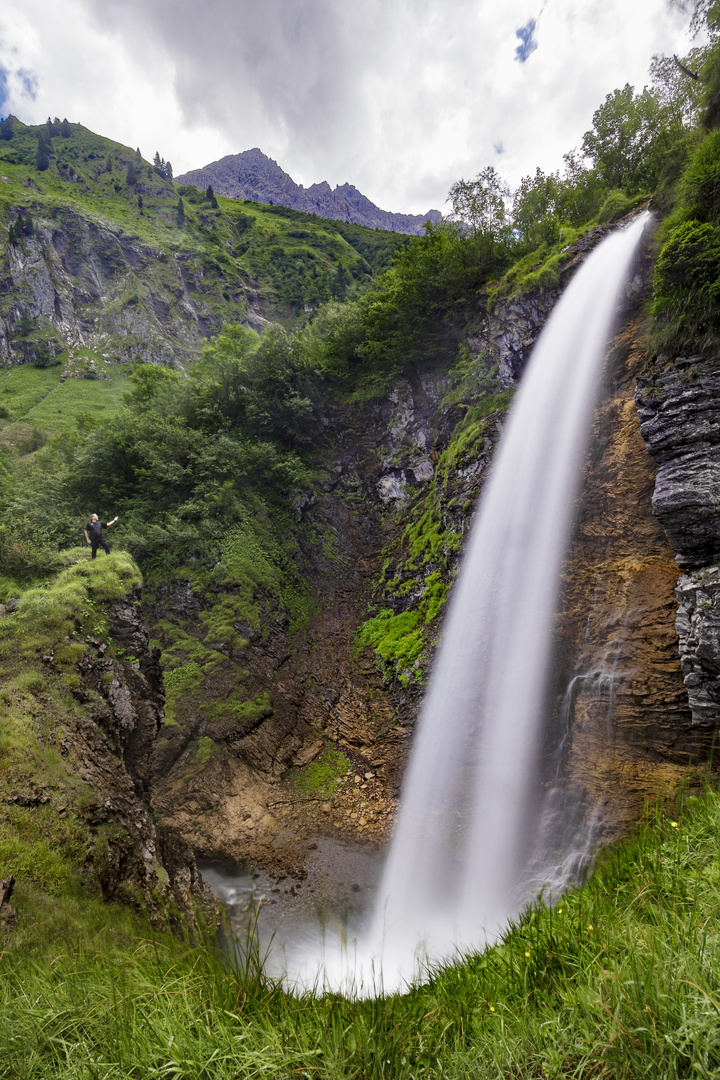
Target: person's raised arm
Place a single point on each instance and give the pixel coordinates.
(113, 521)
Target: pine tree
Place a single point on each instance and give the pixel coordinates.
(131, 175)
(180, 214)
(6, 129)
(65, 129)
(42, 158)
(214, 203)
(109, 164)
(162, 168)
(209, 193)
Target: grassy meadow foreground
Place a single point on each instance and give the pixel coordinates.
(621, 979)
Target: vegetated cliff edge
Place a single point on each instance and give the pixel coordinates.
(254, 176)
(80, 709)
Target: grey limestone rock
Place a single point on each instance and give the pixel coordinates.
(698, 630)
(680, 422)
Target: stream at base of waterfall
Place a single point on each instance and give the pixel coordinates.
(483, 828)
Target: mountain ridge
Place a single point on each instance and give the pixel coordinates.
(254, 176)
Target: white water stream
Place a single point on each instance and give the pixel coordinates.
(464, 857)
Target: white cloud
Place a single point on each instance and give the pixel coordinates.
(399, 97)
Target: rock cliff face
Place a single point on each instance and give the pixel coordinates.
(112, 750)
(86, 284)
(253, 175)
(680, 422)
(88, 728)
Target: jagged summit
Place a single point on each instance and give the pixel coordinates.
(253, 175)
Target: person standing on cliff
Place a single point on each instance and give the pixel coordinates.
(94, 535)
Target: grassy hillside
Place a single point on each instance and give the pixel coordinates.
(290, 258)
(105, 262)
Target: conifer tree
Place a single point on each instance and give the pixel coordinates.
(131, 175)
(65, 129)
(180, 214)
(209, 193)
(42, 158)
(6, 129)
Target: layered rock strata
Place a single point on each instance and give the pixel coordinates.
(680, 422)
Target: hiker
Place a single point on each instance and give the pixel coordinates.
(94, 536)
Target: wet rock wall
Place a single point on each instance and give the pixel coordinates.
(631, 736)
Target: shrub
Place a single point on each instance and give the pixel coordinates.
(616, 204)
(700, 186)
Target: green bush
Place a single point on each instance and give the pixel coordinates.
(685, 306)
(699, 189)
(615, 205)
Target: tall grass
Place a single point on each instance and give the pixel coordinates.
(621, 979)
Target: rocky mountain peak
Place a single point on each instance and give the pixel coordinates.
(253, 175)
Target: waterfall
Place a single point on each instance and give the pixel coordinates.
(459, 864)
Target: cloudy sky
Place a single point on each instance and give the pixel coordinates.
(399, 97)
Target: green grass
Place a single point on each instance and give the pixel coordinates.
(24, 387)
(620, 980)
(76, 398)
(38, 397)
(321, 776)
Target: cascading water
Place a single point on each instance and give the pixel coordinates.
(466, 837)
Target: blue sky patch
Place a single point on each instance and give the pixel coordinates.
(3, 90)
(528, 44)
(29, 83)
